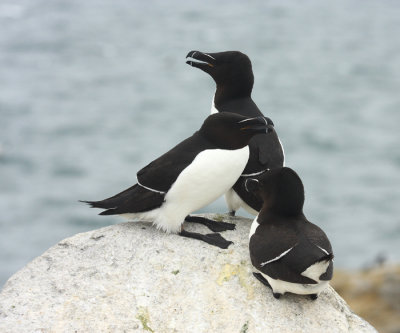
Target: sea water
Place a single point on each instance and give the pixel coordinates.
(91, 91)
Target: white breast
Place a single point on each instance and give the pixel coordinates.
(208, 177)
(283, 151)
(254, 226)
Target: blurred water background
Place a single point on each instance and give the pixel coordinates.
(91, 91)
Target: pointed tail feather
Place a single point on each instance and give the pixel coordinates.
(135, 199)
(109, 212)
(113, 201)
(93, 204)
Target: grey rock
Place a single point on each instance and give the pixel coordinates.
(131, 277)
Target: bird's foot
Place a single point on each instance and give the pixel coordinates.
(212, 239)
(232, 213)
(277, 295)
(211, 224)
(314, 296)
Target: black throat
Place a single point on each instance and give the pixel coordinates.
(231, 91)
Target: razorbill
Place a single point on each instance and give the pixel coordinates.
(292, 254)
(189, 176)
(233, 75)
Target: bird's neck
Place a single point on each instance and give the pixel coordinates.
(269, 216)
(225, 93)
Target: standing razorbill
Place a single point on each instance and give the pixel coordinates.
(233, 74)
(189, 176)
(292, 254)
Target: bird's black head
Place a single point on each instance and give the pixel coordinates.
(281, 190)
(232, 131)
(231, 70)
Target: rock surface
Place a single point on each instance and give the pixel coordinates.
(131, 277)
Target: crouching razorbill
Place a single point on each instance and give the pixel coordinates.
(233, 75)
(292, 254)
(189, 176)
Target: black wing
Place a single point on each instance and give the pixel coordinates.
(135, 199)
(162, 172)
(158, 177)
(312, 246)
(271, 242)
(318, 238)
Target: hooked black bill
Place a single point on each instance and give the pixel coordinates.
(257, 124)
(200, 60)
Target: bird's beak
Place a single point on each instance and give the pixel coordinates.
(204, 61)
(257, 125)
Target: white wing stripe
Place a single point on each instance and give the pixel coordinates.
(276, 258)
(323, 250)
(150, 189)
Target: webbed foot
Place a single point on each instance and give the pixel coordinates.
(212, 239)
(211, 224)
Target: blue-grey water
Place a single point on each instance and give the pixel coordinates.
(91, 91)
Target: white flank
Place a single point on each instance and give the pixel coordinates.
(278, 257)
(211, 174)
(253, 227)
(281, 287)
(234, 202)
(316, 270)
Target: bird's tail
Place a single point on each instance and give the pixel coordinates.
(135, 199)
(327, 257)
(112, 202)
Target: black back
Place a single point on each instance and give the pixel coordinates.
(219, 131)
(284, 226)
(233, 74)
(278, 236)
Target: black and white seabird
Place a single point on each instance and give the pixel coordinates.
(292, 254)
(233, 75)
(189, 176)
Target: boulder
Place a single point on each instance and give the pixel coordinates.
(131, 277)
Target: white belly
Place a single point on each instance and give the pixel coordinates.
(210, 175)
(281, 287)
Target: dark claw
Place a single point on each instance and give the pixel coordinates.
(314, 296)
(264, 281)
(277, 295)
(232, 213)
